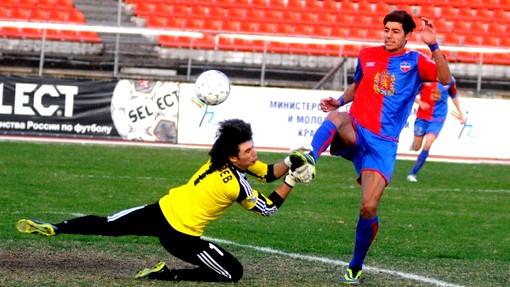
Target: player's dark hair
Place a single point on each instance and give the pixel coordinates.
(229, 136)
(403, 18)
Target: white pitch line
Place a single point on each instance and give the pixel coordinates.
(338, 263)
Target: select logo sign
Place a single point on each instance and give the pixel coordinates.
(38, 100)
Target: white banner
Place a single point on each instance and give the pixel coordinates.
(285, 118)
(485, 134)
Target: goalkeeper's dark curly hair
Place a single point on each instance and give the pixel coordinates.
(230, 134)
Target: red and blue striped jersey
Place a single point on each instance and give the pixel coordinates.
(388, 85)
(436, 95)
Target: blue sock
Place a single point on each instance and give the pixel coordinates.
(420, 161)
(322, 138)
(365, 234)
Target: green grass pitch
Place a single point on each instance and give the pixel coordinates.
(449, 229)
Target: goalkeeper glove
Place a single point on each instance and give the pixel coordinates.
(304, 173)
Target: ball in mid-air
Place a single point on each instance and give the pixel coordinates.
(212, 87)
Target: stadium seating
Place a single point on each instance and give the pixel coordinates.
(358, 20)
(57, 11)
(475, 22)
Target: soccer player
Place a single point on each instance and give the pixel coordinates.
(179, 218)
(386, 81)
(432, 111)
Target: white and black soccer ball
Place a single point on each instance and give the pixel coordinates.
(212, 87)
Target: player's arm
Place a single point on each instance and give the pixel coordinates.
(455, 101)
(296, 158)
(267, 206)
(255, 201)
(330, 104)
(428, 35)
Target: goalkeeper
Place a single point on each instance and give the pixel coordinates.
(179, 218)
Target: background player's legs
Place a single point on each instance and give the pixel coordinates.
(429, 140)
(143, 220)
(215, 264)
(417, 143)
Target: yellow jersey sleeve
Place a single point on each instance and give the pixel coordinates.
(262, 172)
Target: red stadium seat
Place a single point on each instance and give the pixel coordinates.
(255, 15)
(196, 24)
(349, 50)
(213, 25)
(38, 15)
(304, 30)
(348, 7)
(473, 40)
(448, 12)
(460, 26)
(465, 13)
(375, 34)
(4, 13)
(491, 41)
(452, 39)
(331, 6)
(502, 15)
(145, 8)
(277, 47)
(56, 15)
(482, 14)
(88, 36)
(441, 25)
(284, 29)
(467, 57)
(323, 31)
(428, 11)
(27, 3)
(31, 33)
(174, 41)
(76, 16)
(9, 3)
(382, 8)
(236, 44)
(496, 29)
(504, 42)
(44, 3)
(157, 22)
(19, 14)
(364, 7)
(64, 4)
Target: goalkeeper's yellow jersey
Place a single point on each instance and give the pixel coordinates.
(207, 195)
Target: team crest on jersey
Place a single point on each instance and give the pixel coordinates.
(435, 95)
(405, 66)
(384, 83)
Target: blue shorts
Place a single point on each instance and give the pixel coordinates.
(371, 152)
(422, 127)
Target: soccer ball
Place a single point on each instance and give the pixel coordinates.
(212, 87)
